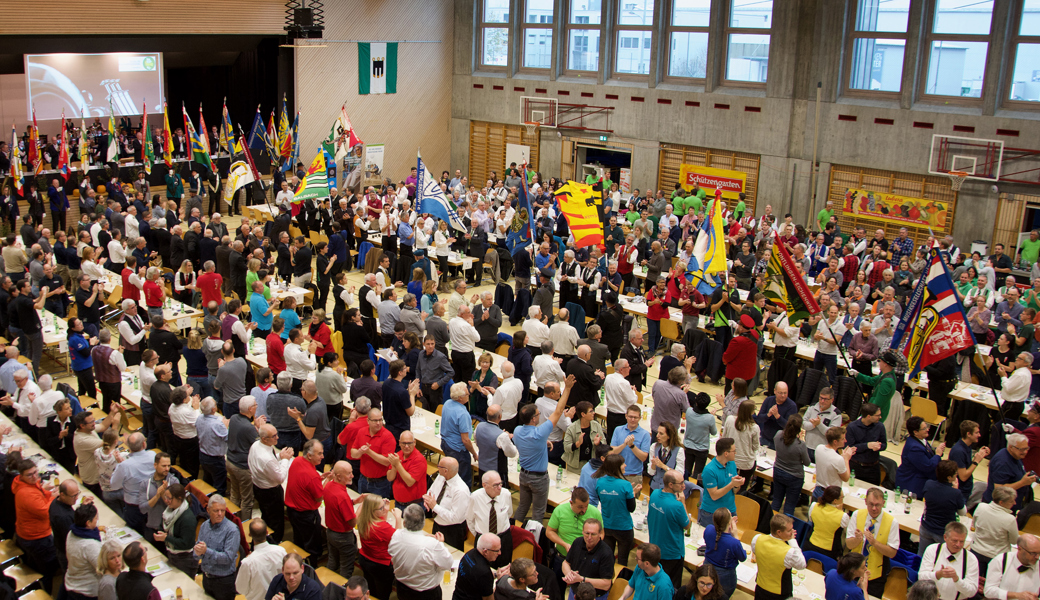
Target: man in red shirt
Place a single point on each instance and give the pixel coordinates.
(371, 446)
(358, 421)
(154, 294)
(304, 489)
(691, 302)
(275, 346)
(340, 519)
(741, 356)
(407, 473)
(209, 284)
(32, 500)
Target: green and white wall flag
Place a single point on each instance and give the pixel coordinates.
(377, 68)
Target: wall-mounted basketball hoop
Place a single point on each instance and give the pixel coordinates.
(532, 127)
(957, 179)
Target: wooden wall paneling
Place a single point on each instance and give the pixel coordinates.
(1011, 209)
(904, 184)
(672, 156)
(487, 149)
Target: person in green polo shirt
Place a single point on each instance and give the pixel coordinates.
(1029, 250)
(824, 216)
(738, 211)
(649, 581)
(567, 519)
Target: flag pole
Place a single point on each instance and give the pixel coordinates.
(837, 343)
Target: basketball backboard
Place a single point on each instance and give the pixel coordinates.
(536, 109)
(979, 158)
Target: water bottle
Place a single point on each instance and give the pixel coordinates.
(852, 479)
(559, 475)
(137, 383)
(909, 501)
(437, 427)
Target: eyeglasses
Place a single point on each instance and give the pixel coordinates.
(1020, 449)
(408, 444)
(495, 485)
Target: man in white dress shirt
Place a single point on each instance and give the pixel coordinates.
(547, 368)
(42, 406)
(256, 571)
(508, 397)
(448, 502)
(564, 337)
(299, 361)
(22, 399)
(954, 570)
(1014, 575)
(464, 337)
(619, 394)
(269, 468)
(491, 512)
(419, 560)
(537, 330)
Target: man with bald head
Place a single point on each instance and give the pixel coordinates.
(1014, 574)
(131, 476)
(587, 381)
(448, 503)
(340, 520)
(487, 318)
(508, 396)
(269, 468)
(491, 511)
(371, 446)
(407, 472)
(476, 580)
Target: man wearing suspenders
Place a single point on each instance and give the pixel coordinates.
(954, 570)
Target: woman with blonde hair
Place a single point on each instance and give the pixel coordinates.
(107, 458)
(375, 532)
(184, 283)
(110, 565)
(196, 361)
(745, 433)
(253, 274)
(415, 286)
(429, 296)
(442, 240)
(88, 265)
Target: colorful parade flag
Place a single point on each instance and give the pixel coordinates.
(578, 203)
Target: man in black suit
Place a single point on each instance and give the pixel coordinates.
(633, 353)
(600, 352)
(191, 245)
(223, 261)
(284, 260)
(587, 381)
(611, 320)
(280, 224)
(177, 249)
(208, 246)
(162, 242)
(239, 265)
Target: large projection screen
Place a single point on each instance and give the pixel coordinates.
(85, 84)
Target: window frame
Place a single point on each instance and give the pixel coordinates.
(727, 31)
(925, 59)
(617, 29)
(668, 28)
(851, 35)
(565, 31)
(483, 26)
(1015, 39)
(524, 27)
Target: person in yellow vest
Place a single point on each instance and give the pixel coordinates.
(875, 534)
(828, 518)
(776, 555)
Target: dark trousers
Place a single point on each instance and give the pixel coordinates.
(133, 517)
(454, 535)
(673, 567)
(380, 577)
(85, 380)
(59, 220)
(307, 528)
(221, 588)
(110, 392)
(406, 593)
(615, 420)
(42, 556)
(695, 461)
(465, 463)
(342, 552)
(621, 541)
(271, 502)
(216, 468)
(188, 451)
(787, 489)
(464, 364)
(867, 473)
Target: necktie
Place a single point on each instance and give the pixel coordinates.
(870, 529)
(493, 518)
(444, 489)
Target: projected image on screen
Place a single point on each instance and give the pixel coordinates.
(85, 84)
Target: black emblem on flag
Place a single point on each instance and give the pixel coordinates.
(377, 67)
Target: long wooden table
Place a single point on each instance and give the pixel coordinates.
(116, 527)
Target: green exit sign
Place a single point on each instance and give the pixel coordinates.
(602, 138)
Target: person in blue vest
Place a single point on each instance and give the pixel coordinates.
(456, 427)
(849, 580)
(919, 459)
